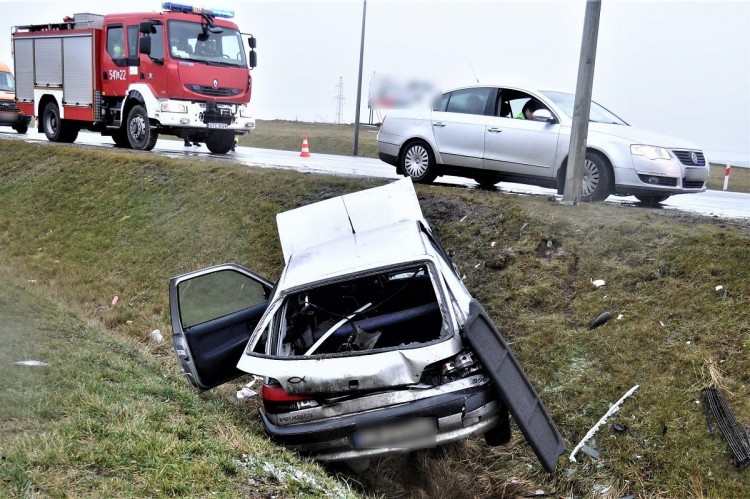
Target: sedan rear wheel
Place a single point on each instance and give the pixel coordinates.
(418, 162)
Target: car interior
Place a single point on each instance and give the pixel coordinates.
(387, 309)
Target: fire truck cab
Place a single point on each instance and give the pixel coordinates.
(182, 71)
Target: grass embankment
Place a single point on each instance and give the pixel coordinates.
(338, 139)
(88, 225)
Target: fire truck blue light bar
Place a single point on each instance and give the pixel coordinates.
(189, 9)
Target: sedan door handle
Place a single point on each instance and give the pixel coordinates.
(439, 123)
(494, 130)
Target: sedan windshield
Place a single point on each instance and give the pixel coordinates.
(189, 41)
(598, 114)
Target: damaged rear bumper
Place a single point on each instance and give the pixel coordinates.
(455, 415)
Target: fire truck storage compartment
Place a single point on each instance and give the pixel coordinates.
(74, 73)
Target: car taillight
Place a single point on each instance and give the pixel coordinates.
(275, 393)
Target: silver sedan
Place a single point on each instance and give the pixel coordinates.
(502, 133)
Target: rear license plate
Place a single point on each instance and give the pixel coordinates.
(402, 433)
(218, 125)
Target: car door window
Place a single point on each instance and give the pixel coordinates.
(468, 101)
(216, 295)
(115, 43)
(511, 104)
(441, 102)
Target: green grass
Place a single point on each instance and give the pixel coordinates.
(322, 138)
(86, 225)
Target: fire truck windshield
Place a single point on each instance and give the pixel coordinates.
(192, 41)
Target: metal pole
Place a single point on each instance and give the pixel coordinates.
(582, 106)
(359, 81)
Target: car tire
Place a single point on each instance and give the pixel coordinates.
(138, 129)
(418, 162)
(486, 181)
(55, 128)
(652, 200)
(597, 178)
(120, 137)
(220, 142)
(21, 128)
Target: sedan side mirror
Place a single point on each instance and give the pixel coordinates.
(543, 115)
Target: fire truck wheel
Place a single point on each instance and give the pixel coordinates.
(140, 134)
(51, 122)
(21, 128)
(120, 137)
(220, 142)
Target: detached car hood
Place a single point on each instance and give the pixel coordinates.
(641, 136)
(335, 218)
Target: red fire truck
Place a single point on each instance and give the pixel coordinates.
(182, 71)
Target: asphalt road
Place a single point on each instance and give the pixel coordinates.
(731, 205)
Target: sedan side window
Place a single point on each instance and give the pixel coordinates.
(469, 101)
(441, 102)
(217, 294)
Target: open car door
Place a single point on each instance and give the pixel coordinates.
(214, 311)
(514, 388)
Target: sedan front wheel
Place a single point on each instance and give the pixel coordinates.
(418, 162)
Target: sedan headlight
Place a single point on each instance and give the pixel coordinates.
(173, 107)
(649, 152)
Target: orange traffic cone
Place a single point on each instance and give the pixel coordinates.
(305, 148)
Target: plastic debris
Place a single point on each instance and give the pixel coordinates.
(736, 435)
(246, 393)
(662, 324)
(591, 452)
(615, 407)
(156, 336)
(598, 283)
(620, 317)
(620, 427)
(32, 363)
(600, 321)
(492, 244)
(719, 287)
(115, 299)
(463, 218)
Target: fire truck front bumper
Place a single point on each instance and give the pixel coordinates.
(205, 115)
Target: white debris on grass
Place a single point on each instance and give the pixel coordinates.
(613, 409)
(115, 299)
(285, 474)
(246, 391)
(492, 244)
(32, 363)
(156, 336)
(620, 316)
(598, 283)
(662, 324)
(719, 287)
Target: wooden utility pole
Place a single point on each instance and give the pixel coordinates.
(359, 82)
(582, 105)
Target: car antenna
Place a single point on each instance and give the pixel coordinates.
(472, 70)
(350, 219)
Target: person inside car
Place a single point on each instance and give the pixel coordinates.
(528, 110)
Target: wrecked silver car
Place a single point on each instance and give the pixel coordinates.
(369, 343)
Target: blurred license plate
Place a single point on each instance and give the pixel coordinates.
(218, 125)
(402, 433)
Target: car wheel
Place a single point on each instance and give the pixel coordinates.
(418, 162)
(652, 200)
(597, 178)
(120, 137)
(486, 181)
(21, 128)
(220, 142)
(139, 132)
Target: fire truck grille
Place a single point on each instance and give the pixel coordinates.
(213, 92)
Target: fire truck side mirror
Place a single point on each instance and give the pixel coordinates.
(251, 42)
(146, 27)
(253, 58)
(145, 45)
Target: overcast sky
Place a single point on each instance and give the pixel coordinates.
(680, 68)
